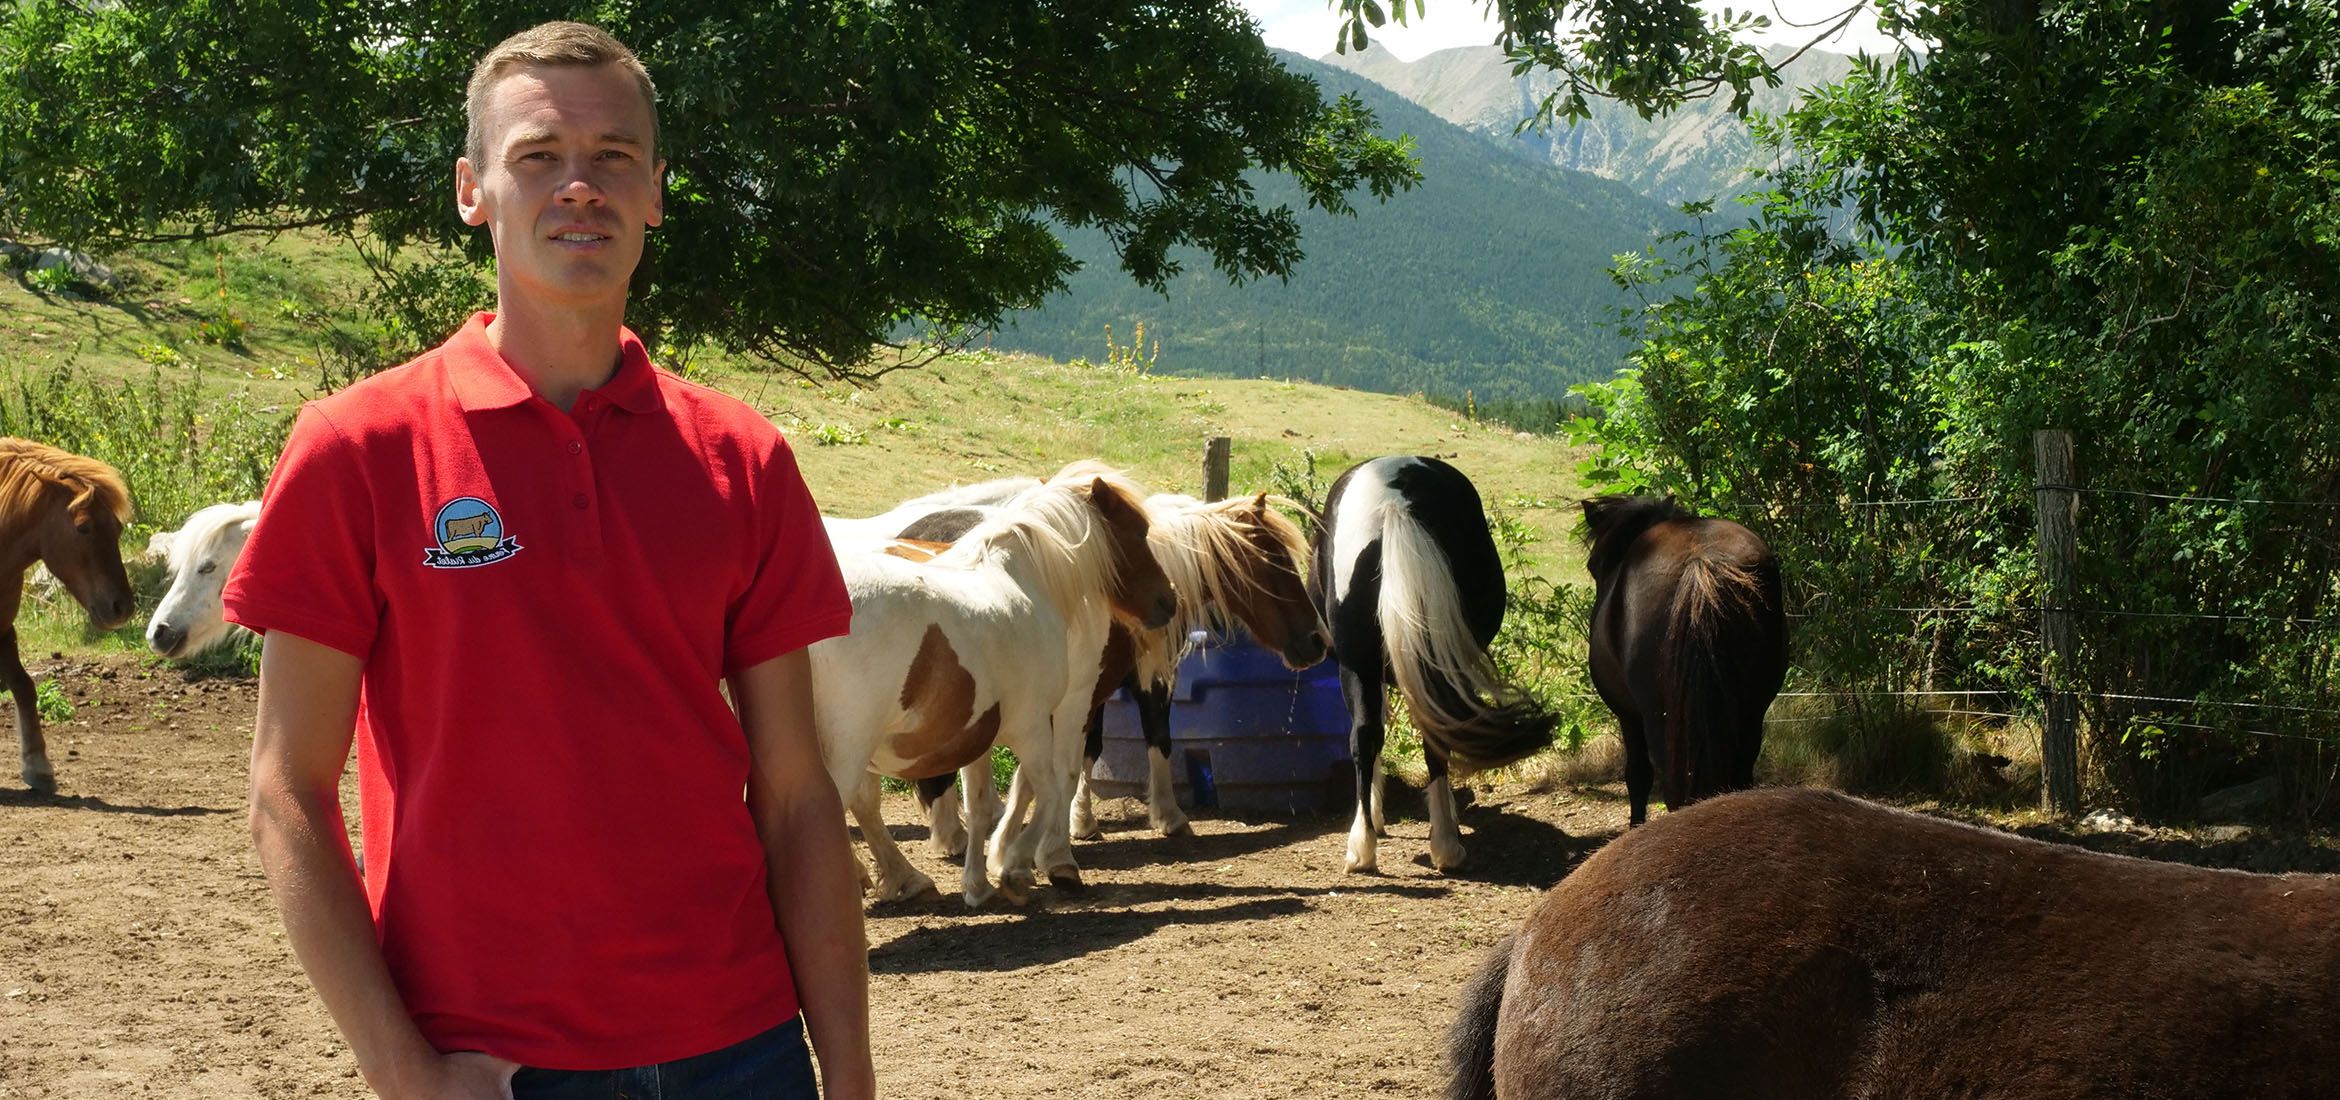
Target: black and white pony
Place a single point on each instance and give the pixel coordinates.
(1409, 581)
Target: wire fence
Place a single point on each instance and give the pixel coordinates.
(2012, 611)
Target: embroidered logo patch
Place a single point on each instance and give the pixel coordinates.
(469, 533)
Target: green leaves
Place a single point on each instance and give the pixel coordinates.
(845, 172)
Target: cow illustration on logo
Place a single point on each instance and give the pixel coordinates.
(468, 533)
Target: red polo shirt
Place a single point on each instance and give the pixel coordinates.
(558, 854)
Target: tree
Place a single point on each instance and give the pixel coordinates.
(840, 169)
(2120, 217)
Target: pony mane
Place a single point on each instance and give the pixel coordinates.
(196, 535)
(1055, 528)
(27, 469)
(1611, 523)
(1197, 542)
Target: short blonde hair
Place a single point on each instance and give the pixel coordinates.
(550, 44)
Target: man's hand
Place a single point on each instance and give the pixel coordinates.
(467, 1075)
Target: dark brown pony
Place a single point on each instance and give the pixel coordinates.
(1689, 644)
(1802, 945)
(66, 512)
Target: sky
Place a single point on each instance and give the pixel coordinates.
(1306, 26)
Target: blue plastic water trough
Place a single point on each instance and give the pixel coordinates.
(1246, 734)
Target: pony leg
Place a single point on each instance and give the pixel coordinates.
(1052, 813)
(32, 749)
(1639, 773)
(983, 812)
(1048, 796)
(946, 837)
(1162, 812)
(896, 879)
(1446, 846)
(1365, 700)
(1011, 823)
(1084, 803)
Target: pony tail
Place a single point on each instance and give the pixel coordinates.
(1461, 706)
(1470, 1043)
(1708, 591)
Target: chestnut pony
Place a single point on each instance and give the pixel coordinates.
(66, 512)
(1802, 945)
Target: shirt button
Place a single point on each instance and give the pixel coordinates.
(576, 447)
(581, 501)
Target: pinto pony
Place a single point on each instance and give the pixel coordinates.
(1802, 945)
(950, 655)
(66, 512)
(190, 618)
(1409, 580)
(1235, 561)
(1688, 644)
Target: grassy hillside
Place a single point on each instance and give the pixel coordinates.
(1491, 277)
(83, 372)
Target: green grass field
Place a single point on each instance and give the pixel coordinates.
(185, 376)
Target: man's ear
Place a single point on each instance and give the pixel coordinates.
(470, 201)
(657, 196)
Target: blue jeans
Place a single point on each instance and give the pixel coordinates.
(771, 1066)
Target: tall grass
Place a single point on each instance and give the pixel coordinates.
(178, 448)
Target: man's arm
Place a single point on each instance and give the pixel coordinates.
(308, 713)
(814, 881)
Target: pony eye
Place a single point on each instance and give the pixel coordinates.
(207, 567)
(81, 527)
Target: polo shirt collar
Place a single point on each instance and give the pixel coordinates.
(483, 380)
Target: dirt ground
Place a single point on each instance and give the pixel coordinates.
(139, 953)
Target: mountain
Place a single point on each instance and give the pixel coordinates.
(1488, 278)
(1698, 152)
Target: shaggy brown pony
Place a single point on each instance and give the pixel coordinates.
(1688, 644)
(1802, 945)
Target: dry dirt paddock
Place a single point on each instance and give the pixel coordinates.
(140, 956)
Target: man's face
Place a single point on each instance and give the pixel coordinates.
(568, 188)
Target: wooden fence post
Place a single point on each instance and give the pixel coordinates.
(1215, 455)
(2058, 500)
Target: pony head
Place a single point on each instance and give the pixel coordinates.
(71, 511)
(190, 618)
(1241, 559)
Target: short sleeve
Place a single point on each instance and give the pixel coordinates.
(795, 595)
(308, 569)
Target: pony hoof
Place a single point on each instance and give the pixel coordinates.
(41, 782)
(1016, 887)
(1066, 878)
(1362, 867)
(1182, 829)
(1091, 832)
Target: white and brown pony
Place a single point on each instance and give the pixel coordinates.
(66, 512)
(199, 555)
(1235, 561)
(950, 655)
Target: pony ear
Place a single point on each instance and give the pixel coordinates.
(1259, 504)
(1103, 495)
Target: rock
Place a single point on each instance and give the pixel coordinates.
(80, 265)
(2243, 802)
(2109, 821)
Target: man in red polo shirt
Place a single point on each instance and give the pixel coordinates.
(514, 571)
